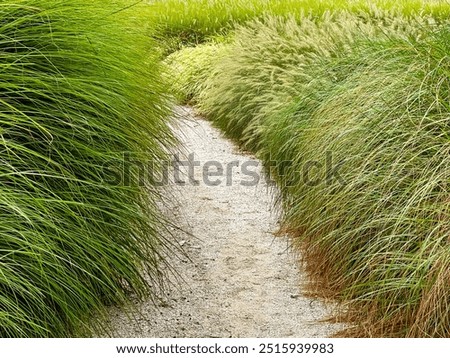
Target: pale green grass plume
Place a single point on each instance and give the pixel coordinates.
(269, 61)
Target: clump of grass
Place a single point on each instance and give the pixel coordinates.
(190, 67)
(369, 95)
(379, 237)
(180, 23)
(78, 90)
(269, 63)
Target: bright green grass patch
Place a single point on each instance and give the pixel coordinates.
(79, 88)
(182, 22)
(190, 68)
(369, 96)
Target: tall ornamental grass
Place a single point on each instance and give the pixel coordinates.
(190, 68)
(271, 61)
(78, 89)
(378, 236)
(351, 116)
(183, 22)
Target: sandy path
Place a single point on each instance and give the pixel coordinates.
(241, 280)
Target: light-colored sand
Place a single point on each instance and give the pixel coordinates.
(242, 281)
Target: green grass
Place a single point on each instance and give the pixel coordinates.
(379, 239)
(269, 62)
(79, 88)
(190, 68)
(181, 22)
(373, 94)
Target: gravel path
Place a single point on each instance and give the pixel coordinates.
(241, 279)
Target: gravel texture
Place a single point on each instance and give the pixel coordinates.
(240, 279)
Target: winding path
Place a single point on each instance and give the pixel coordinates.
(242, 281)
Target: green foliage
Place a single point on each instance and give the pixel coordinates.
(378, 236)
(270, 62)
(78, 90)
(182, 22)
(190, 67)
(370, 95)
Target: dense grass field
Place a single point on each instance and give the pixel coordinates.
(349, 108)
(183, 22)
(79, 88)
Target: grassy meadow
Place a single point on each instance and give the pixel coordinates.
(363, 88)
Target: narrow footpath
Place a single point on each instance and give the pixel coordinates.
(240, 280)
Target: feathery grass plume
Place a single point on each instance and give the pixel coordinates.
(78, 89)
(179, 22)
(268, 63)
